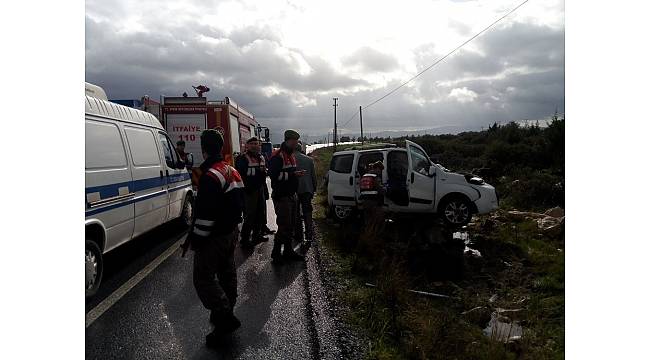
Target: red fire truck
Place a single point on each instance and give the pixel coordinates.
(185, 117)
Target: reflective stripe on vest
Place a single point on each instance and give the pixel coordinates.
(253, 164)
(288, 162)
(228, 177)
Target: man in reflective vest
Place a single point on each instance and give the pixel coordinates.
(284, 181)
(252, 167)
(213, 236)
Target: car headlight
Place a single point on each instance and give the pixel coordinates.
(476, 180)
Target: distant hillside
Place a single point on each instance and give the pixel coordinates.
(385, 134)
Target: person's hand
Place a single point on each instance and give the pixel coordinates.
(300, 172)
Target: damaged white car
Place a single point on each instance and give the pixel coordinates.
(413, 183)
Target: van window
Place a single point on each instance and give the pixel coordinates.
(419, 160)
(143, 146)
(342, 163)
(170, 157)
(367, 158)
(104, 148)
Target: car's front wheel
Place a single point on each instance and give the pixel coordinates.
(456, 211)
(94, 268)
(187, 212)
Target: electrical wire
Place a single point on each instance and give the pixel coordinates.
(438, 61)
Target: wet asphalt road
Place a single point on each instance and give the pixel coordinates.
(162, 318)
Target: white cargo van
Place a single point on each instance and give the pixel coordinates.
(134, 179)
(414, 184)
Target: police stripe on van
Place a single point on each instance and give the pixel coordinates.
(98, 193)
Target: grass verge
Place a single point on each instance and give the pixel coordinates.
(520, 270)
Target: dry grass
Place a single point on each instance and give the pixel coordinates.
(525, 270)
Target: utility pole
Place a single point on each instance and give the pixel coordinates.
(328, 138)
(335, 133)
(361, 123)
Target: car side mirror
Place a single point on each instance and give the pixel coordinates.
(432, 170)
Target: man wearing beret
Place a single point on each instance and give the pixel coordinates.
(306, 188)
(252, 167)
(284, 181)
(213, 236)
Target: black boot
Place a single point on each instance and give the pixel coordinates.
(227, 323)
(259, 238)
(290, 254)
(215, 339)
(245, 241)
(245, 236)
(275, 254)
(246, 244)
(305, 245)
(224, 324)
(267, 231)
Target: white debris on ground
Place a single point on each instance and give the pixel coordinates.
(552, 219)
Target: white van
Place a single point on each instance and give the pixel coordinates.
(414, 184)
(134, 179)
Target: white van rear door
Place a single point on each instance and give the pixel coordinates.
(109, 196)
(149, 183)
(341, 179)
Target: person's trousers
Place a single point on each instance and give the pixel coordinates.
(216, 257)
(254, 214)
(285, 217)
(304, 213)
(373, 216)
(265, 190)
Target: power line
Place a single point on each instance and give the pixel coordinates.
(439, 60)
(350, 119)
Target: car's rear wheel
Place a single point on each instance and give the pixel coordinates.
(456, 211)
(94, 268)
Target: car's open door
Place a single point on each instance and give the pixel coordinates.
(422, 183)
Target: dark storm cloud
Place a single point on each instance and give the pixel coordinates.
(241, 62)
(513, 72)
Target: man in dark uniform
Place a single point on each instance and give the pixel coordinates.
(284, 181)
(213, 236)
(187, 158)
(252, 167)
(306, 188)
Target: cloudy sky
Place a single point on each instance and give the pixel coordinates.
(285, 60)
